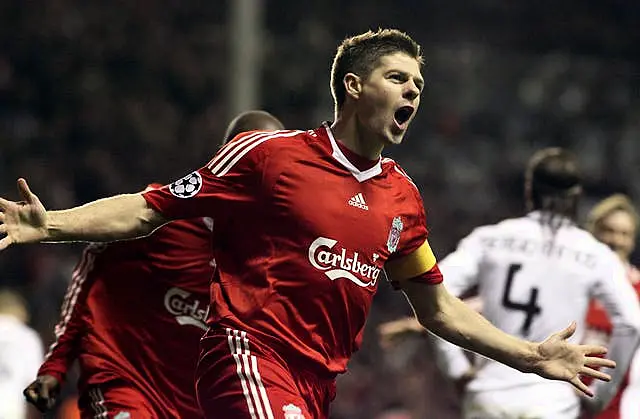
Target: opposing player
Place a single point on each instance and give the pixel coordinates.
(305, 222)
(614, 221)
(133, 315)
(534, 274)
(20, 354)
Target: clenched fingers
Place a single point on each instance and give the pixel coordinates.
(33, 396)
(30, 394)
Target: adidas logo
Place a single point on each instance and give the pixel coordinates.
(358, 201)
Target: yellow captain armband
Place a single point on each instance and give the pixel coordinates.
(414, 264)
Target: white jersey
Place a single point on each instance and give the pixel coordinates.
(533, 282)
(21, 354)
(630, 403)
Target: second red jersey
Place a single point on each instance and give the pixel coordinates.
(301, 239)
(137, 310)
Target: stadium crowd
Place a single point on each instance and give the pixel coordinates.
(95, 100)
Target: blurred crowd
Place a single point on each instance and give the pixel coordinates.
(98, 98)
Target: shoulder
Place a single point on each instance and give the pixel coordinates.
(488, 235)
(267, 140)
(397, 174)
(581, 236)
(500, 228)
(480, 237)
(522, 227)
(400, 180)
(254, 147)
(600, 254)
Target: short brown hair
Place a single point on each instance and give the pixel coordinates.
(359, 55)
(608, 206)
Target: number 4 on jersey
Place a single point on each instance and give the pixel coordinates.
(530, 308)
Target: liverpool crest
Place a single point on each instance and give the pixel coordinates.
(394, 234)
(292, 411)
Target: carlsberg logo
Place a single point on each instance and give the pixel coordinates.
(186, 309)
(341, 265)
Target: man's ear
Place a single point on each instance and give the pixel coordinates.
(352, 85)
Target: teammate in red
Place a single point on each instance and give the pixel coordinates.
(305, 223)
(133, 315)
(613, 221)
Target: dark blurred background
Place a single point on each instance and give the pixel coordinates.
(99, 98)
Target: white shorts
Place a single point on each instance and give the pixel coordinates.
(539, 401)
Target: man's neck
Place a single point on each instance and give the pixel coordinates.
(348, 132)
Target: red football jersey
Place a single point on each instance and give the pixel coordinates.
(135, 311)
(598, 319)
(301, 239)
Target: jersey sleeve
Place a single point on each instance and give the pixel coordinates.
(409, 231)
(411, 255)
(614, 291)
(460, 268)
(70, 328)
(232, 179)
(64, 350)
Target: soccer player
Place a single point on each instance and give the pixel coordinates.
(20, 354)
(535, 273)
(614, 221)
(133, 315)
(305, 223)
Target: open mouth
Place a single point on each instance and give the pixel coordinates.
(402, 115)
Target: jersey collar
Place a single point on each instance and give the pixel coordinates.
(361, 176)
(541, 216)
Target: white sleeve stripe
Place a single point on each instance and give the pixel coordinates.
(97, 403)
(71, 297)
(230, 149)
(403, 173)
(219, 170)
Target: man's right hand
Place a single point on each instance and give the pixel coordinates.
(24, 221)
(42, 393)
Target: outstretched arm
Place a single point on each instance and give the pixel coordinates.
(115, 218)
(451, 319)
(66, 348)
